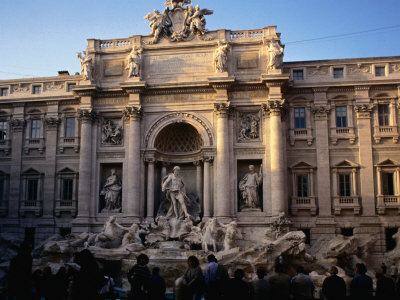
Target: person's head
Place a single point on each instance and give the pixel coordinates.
(142, 259)
(261, 273)
(156, 271)
(300, 269)
(360, 269)
(251, 168)
(211, 258)
(176, 170)
(62, 271)
(279, 268)
(239, 274)
(47, 271)
(85, 259)
(333, 270)
(193, 262)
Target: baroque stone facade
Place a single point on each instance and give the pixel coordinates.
(323, 134)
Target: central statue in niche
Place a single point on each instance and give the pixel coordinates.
(175, 193)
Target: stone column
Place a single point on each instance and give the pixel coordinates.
(17, 125)
(321, 112)
(277, 158)
(164, 169)
(363, 111)
(199, 180)
(354, 183)
(207, 188)
(85, 165)
(222, 205)
(52, 121)
(379, 179)
(150, 189)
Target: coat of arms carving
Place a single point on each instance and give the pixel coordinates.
(179, 21)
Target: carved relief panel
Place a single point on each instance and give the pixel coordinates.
(248, 127)
(112, 132)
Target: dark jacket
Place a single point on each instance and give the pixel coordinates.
(334, 288)
(157, 288)
(385, 289)
(361, 287)
(237, 290)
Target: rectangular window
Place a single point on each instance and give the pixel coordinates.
(35, 129)
(71, 86)
(70, 127)
(337, 72)
(388, 184)
(347, 231)
(32, 190)
(3, 130)
(380, 71)
(4, 92)
(341, 116)
(298, 75)
(344, 185)
(37, 89)
(300, 117)
(383, 111)
(67, 187)
(302, 185)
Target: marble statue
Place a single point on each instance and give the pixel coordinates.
(160, 231)
(248, 187)
(111, 235)
(158, 24)
(197, 20)
(174, 189)
(133, 235)
(221, 57)
(212, 230)
(280, 224)
(112, 193)
(112, 133)
(86, 65)
(275, 55)
(134, 62)
(232, 234)
(177, 3)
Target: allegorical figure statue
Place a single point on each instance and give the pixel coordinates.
(197, 20)
(248, 187)
(275, 55)
(221, 57)
(158, 23)
(134, 61)
(175, 193)
(231, 236)
(112, 192)
(86, 65)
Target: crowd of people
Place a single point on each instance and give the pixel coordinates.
(82, 280)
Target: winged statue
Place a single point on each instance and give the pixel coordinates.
(177, 3)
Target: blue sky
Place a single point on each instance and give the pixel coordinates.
(41, 37)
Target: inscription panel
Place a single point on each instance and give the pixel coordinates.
(110, 101)
(178, 98)
(184, 63)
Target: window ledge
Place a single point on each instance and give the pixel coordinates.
(303, 203)
(349, 202)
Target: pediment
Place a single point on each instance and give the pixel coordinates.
(66, 170)
(388, 163)
(31, 171)
(346, 164)
(301, 165)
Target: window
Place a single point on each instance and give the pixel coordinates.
(32, 189)
(300, 117)
(35, 129)
(337, 72)
(388, 184)
(70, 127)
(298, 75)
(37, 89)
(302, 185)
(344, 185)
(67, 189)
(347, 231)
(71, 86)
(4, 92)
(380, 71)
(3, 130)
(341, 116)
(383, 112)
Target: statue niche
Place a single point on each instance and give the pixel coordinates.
(111, 188)
(250, 185)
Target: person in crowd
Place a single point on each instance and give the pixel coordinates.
(383, 268)
(260, 286)
(157, 285)
(61, 282)
(49, 284)
(20, 273)
(361, 285)
(302, 285)
(394, 271)
(193, 279)
(139, 278)
(237, 289)
(385, 287)
(37, 285)
(280, 284)
(334, 287)
(216, 278)
(88, 280)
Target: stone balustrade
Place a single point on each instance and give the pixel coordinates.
(346, 202)
(388, 201)
(303, 203)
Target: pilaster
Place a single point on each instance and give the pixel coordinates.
(363, 111)
(207, 205)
